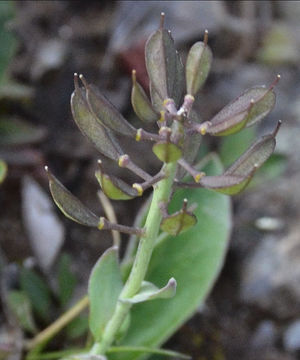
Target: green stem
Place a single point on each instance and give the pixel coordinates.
(161, 193)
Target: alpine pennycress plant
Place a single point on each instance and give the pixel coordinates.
(124, 320)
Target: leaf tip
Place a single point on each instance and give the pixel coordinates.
(133, 76)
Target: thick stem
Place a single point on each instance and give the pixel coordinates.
(161, 193)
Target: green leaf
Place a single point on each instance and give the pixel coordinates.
(7, 39)
(235, 144)
(37, 291)
(149, 291)
(70, 205)
(15, 132)
(194, 258)
(147, 350)
(66, 279)
(85, 357)
(107, 114)
(250, 107)
(105, 285)
(166, 151)
(178, 222)
(88, 124)
(198, 65)
(113, 187)
(164, 68)
(78, 327)
(141, 104)
(3, 170)
(19, 304)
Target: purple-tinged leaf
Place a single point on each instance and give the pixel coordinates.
(164, 68)
(100, 137)
(113, 187)
(250, 107)
(198, 65)
(70, 205)
(140, 102)
(105, 112)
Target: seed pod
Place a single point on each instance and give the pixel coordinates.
(113, 187)
(164, 68)
(250, 107)
(100, 137)
(178, 222)
(70, 205)
(106, 113)
(166, 151)
(140, 102)
(197, 67)
(255, 156)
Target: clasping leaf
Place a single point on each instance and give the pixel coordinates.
(149, 291)
(105, 285)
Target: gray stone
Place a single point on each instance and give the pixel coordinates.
(271, 275)
(291, 337)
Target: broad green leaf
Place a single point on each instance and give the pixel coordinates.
(164, 68)
(66, 279)
(178, 222)
(141, 104)
(20, 306)
(149, 291)
(147, 350)
(37, 291)
(194, 258)
(3, 171)
(105, 285)
(198, 64)
(107, 114)
(250, 107)
(113, 187)
(78, 327)
(166, 151)
(70, 205)
(235, 144)
(88, 124)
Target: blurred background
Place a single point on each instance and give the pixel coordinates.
(254, 310)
